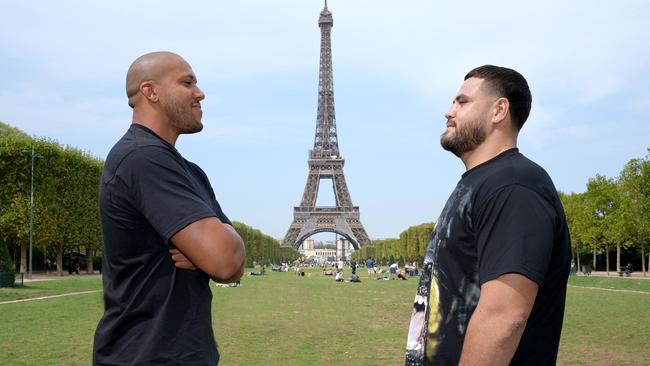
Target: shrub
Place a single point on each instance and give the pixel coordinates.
(6, 264)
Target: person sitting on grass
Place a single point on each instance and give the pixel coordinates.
(339, 276)
(262, 272)
(393, 270)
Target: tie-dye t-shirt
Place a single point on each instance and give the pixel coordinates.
(504, 216)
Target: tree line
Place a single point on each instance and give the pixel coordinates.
(66, 206)
(410, 246)
(612, 214)
(66, 184)
(261, 248)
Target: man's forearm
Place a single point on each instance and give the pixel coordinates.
(213, 247)
(235, 251)
(492, 339)
(497, 324)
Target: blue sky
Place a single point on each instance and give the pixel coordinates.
(397, 66)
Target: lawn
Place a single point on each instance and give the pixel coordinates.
(281, 319)
(51, 287)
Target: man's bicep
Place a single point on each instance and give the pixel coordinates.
(509, 292)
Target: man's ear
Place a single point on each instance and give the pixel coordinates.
(500, 110)
(148, 90)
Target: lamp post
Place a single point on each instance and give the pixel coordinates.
(33, 156)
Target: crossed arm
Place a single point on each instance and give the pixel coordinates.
(211, 246)
(495, 329)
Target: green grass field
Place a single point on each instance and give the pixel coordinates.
(281, 319)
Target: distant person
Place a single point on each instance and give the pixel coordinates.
(76, 264)
(393, 270)
(493, 287)
(411, 269)
(339, 276)
(353, 266)
(370, 264)
(262, 272)
(165, 235)
(73, 263)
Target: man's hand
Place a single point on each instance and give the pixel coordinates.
(180, 260)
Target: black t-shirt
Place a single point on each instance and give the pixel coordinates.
(504, 216)
(155, 314)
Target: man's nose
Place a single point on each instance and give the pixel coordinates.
(200, 95)
(451, 112)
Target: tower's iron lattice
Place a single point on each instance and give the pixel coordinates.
(325, 162)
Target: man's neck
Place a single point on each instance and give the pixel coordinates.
(162, 129)
(486, 151)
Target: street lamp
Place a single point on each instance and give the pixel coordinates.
(33, 156)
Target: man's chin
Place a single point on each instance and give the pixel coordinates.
(450, 146)
(194, 128)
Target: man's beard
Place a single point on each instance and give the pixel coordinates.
(182, 117)
(466, 138)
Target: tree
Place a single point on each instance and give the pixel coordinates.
(14, 189)
(603, 201)
(635, 181)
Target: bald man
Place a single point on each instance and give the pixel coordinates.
(165, 235)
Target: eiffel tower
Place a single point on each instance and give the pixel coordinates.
(325, 162)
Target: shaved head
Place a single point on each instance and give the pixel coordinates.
(151, 66)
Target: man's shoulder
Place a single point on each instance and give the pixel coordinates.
(513, 169)
(135, 151)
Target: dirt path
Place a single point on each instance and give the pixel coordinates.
(48, 297)
(610, 289)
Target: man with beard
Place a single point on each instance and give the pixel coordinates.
(493, 287)
(164, 232)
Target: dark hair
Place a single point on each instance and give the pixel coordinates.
(509, 84)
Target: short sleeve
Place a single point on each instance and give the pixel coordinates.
(163, 190)
(515, 234)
